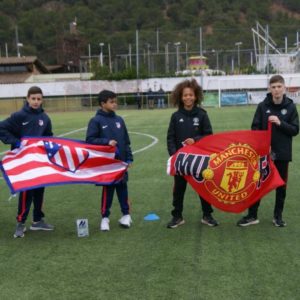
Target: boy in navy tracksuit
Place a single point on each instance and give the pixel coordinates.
(31, 120)
(107, 128)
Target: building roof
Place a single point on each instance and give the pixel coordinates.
(13, 75)
(24, 60)
(14, 78)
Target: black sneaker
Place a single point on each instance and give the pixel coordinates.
(209, 220)
(175, 222)
(247, 221)
(278, 222)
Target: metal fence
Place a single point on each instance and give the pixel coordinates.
(166, 52)
(84, 103)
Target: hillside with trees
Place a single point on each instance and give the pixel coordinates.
(42, 26)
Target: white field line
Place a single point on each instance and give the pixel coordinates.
(73, 131)
(155, 141)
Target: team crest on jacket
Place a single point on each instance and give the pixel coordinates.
(41, 122)
(196, 121)
(118, 124)
(233, 175)
(283, 111)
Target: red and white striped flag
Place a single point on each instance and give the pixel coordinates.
(43, 161)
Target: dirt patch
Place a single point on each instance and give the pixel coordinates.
(276, 8)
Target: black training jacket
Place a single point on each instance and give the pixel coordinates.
(187, 124)
(286, 111)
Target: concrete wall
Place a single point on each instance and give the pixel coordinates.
(209, 83)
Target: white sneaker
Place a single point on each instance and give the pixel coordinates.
(104, 224)
(125, 221)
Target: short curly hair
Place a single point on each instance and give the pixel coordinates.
(176, 95)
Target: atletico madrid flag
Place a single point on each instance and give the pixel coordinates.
(43, 161)
(230, 170)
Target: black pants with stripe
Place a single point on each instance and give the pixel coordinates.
(178, 197)
(25, 199)
(282, 167)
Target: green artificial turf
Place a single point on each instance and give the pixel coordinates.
(149, 261)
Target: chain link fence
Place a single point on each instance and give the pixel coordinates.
(86, 103)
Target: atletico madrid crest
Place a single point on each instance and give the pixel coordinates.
(66, 157)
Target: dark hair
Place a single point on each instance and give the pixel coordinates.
(276, 78)
(104, 95)
(176, 95)
(34, 90)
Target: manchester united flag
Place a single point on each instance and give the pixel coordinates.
(230, 170)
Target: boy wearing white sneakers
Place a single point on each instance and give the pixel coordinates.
(107, 128)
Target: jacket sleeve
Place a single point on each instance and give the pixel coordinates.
(129, 156)
(291, 128)
(48, 129)
(171, 137)
(205, 128)
(94, 132)
(10, 131)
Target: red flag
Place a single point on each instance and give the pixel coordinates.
(44, 161)
(230, 170)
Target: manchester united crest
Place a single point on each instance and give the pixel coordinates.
(235, 175)
(232, 174)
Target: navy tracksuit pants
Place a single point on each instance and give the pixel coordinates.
(107, 198)
(25, 199)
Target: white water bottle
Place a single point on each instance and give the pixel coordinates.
(82, 227)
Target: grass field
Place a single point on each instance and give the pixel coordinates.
(150, 261)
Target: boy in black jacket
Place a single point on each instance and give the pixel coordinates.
(187, 125)
(278, 109)
(106, 128)
(31, 120)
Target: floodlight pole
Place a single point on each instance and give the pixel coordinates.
(101, 54)
(167, 57)
(177, 45)
(137, 52)
(238, 44)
